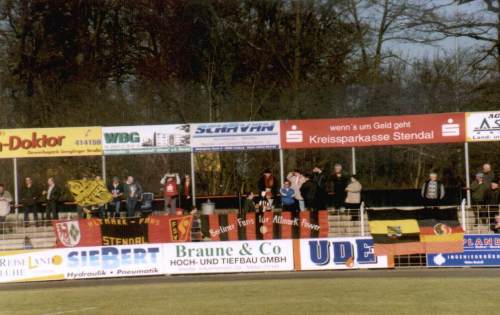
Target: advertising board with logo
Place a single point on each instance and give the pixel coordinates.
(32, 265)
(373, 131)
(81, 263)
(50, 142)
(483, 126)
(234, 136)
(481, 250)
(237, 256)
(340, 253)
(113, 261)
(146, 139)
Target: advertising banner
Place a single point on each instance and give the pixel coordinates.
(123, 231)
(32, 265)
(340, 253)
(373, 131)
(479, 251)
(237, 256)
(80, 263)
(50, 142)
(146, 139)
(483, 126)
(234, 136)
(113, 261)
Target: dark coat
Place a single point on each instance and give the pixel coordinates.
(309, 192)
(30, 196)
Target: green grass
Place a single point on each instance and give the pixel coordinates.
(294, 296)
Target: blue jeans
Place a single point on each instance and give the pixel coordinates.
(131, 204)
(114, 208)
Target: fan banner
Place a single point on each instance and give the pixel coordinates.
(123, 231)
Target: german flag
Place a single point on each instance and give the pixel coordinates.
(440, 231)
(405, 232)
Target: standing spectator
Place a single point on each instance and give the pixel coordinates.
(479, 189)
(340, 181)
(432, 191)
(116, 189)
(288, 202)
(353, 199)
(488, 174)
(492, 196)
(170, 184)
(133, 192)
(52, 196)
(248, 205)
(320, 178)
(5, 200)
(309, 192)
(267, 185)
(29, 198)
(186, 194)
(297, 179)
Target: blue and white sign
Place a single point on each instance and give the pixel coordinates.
(113, 261)
(340, 253)
(235, 136)
(480, 250)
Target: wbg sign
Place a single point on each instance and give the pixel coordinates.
(146, 139)
(47, 142)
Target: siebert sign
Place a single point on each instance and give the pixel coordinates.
(373, 131)
(44, 142)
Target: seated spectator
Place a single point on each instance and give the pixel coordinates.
(288, 202)
(432, 191)
(479, 189)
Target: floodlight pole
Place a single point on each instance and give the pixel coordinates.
(353, 160)
(193, 180)
(103, 168)
(467, 174)
(282, 167)
(16, 188)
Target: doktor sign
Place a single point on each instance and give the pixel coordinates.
(373, 131)
(49, 142)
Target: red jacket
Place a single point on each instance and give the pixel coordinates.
(170, 188)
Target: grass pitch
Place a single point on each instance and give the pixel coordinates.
(287, 296)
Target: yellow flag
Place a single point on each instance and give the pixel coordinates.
(89, 192)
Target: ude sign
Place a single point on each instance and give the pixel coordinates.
(373, 131)
(46, 142)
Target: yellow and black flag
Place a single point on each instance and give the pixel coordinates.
(405, 232)
(89, 192)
